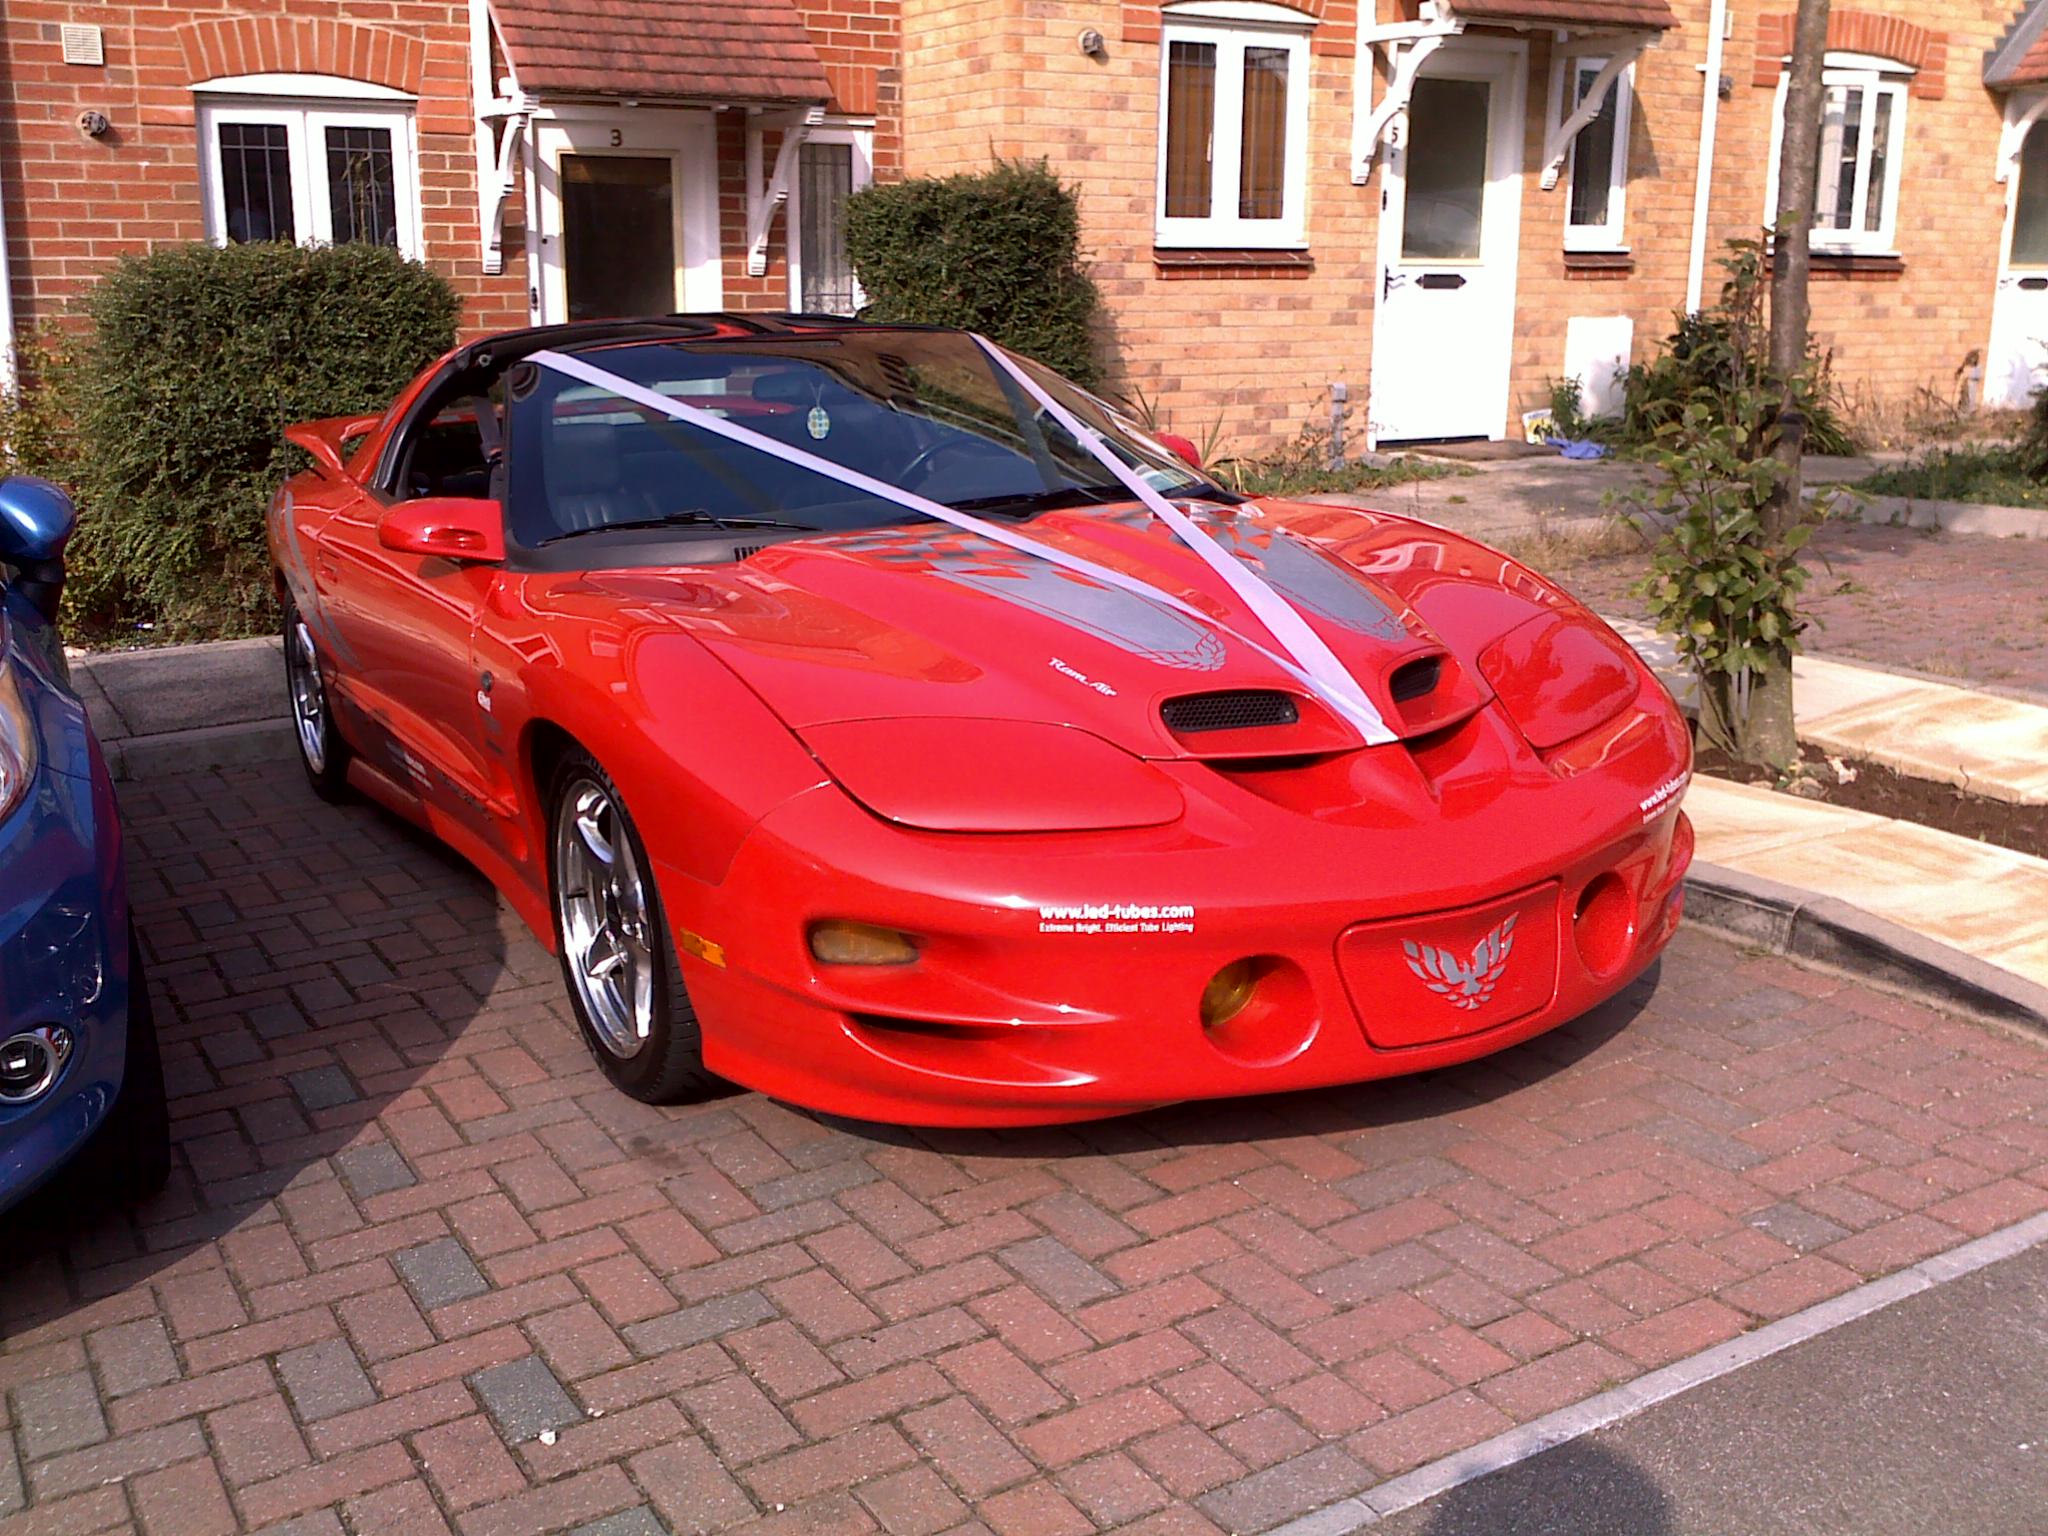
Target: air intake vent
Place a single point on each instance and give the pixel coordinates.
(1415, 679)
(1231, 709)
(747, 551)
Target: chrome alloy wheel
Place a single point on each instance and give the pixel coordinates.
(309, 701)
(602, 904)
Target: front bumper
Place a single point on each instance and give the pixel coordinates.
(1059, 977)
(63, 961)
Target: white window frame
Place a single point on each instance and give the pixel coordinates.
(1230, 29)
(860, 136)
(1872, 75)
(306, 106)
(1565, 70)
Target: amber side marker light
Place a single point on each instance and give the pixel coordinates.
(1228, 993)
(845, 943)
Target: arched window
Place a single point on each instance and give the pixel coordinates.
(308, 158)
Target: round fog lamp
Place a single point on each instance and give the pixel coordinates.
(845, 943)
(30, 1062)
(1229, 990)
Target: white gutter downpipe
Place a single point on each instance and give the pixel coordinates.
(1703, 184)
(6, 308)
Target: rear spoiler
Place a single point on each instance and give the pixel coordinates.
(327, 438)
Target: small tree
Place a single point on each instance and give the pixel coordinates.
(1726, 577)
(996, 251)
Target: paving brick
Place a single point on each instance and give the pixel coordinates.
(1167, 1324)
(324, 1379)
(640, 1520)
(439, 1273)
(1285, 1490)
(374, 1170)
(524, 1398)
(324, 1087)
(57, 1415)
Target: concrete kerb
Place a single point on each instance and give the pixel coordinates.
(1833, 935)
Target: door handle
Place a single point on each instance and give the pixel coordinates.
(1390, 280)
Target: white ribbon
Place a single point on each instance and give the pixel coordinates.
(1325, 672)
(1316, 670)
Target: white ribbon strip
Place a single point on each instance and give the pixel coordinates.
(1329, 676)
(1346, 699)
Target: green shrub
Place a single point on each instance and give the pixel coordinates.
(195, 359)
(996, 251)
(1709, 355)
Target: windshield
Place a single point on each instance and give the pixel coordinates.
(923, 410)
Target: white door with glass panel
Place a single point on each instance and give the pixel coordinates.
(628, 214)
(1443, 325)
(2017, 362)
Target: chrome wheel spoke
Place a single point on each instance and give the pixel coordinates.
(602, 902)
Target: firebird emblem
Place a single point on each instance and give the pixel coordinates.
(1465, 984)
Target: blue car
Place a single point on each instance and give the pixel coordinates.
(81, 1080)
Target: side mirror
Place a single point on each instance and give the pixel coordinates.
(1181, 446)
(36, 519)
(446, 527)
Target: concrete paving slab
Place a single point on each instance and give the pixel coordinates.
(1735, 822)
(1992, 746)
(1988, 902)
(188, 687)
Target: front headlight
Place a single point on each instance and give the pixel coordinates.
(946, 775)
(17, 741)
(1561, 675)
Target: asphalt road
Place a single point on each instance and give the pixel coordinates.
(1928, 1417)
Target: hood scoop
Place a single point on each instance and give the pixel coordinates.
(1228, 709)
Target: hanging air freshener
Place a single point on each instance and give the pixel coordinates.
(818, 423)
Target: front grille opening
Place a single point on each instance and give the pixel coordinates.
(1415, 679)
(1228, 709)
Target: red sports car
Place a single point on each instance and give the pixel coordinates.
(878, 721)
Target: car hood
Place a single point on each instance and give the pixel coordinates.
(923, 620)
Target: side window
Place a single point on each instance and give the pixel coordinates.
(1233, 135)
(283, 167)
(1862, 142)
(832, 165)
(1597, 191)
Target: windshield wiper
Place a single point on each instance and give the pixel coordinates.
(684, 519)
(1044, 501)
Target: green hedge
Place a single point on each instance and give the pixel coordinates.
(195, 359)
(997, 251)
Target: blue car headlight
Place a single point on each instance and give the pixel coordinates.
(17, 741)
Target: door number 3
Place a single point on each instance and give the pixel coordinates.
(618, 138)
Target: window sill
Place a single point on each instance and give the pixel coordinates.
(1218, 261)
(1857, 264)
(1616, 263)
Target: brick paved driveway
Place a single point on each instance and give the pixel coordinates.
(1955, 605)
(422, 1269)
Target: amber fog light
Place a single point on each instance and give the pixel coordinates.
(1228, 992)
(846, 943)
(1259, 1011)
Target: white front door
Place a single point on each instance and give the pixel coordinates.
(2018, 355)
(1450, 221)
(627, 205)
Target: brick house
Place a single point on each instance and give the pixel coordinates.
(1440, 205)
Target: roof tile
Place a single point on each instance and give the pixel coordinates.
(745, 50)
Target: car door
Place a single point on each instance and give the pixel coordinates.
(406, 620)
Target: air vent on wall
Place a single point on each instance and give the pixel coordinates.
(1228, 709)
(82, 44)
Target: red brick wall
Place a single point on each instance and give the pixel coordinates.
(75, 203)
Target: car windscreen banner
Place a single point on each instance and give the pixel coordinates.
(1302, 653)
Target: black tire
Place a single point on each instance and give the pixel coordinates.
(322, 751)
(130, 1157)
(667, 1065)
